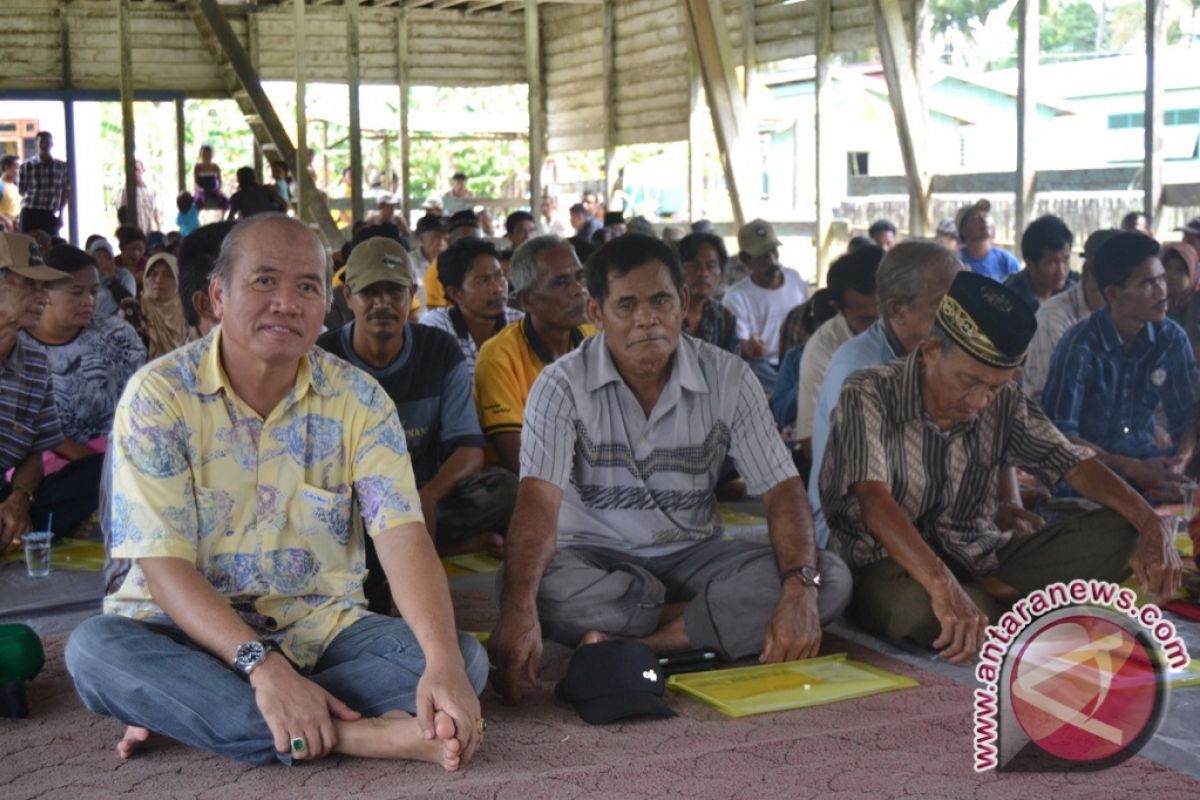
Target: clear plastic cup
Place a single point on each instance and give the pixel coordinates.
(37, 553)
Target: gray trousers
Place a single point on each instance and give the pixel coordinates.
(731, 589)
(152, 675)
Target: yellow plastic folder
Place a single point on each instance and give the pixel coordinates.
(73, 555)
(470, 563)
(759, 689)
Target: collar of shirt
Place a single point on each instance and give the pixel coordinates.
(685, 367)
(538, 346)
(1112, 340)
(211, 377)
(16, 359)
(892, 348)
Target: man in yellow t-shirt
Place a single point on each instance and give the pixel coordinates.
(463, 225)
(239, 464)
(10, 197)
(548, 279)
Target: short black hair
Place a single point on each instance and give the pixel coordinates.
(624, 254)
(817, 311)
(689, 247)
(859, 242)
(454, 264)
(65, 258)
(516, 218)
(8, 160)
(1118, 257)
(854, 271)
(1129, 221)
(577, 208)
(128, 234)
(881, 226)
(184, 201)
(246, 176)
(197, 257)
(1045, 233)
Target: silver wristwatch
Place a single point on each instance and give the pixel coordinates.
(250, 655)
(808, 575)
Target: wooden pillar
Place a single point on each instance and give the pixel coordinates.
(252, 50)
(356, 165)
(903, 92)
(300, 42)
(1027, 63)
(749, 57)
(405, 141)
(695, 147)
(124, 42)
(821, 124)
(537, 104)
(706, 22)
(609, 103)
(181, 173)
(69, 124)
(1156, 42)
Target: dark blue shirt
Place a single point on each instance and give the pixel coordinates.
(1022, 285)
(997, 264)
(1098, 392)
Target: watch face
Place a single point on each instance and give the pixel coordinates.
(248, 655)
(811, 575)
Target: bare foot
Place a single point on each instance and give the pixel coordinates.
(595, 637)
(132, 741)
(397, 735)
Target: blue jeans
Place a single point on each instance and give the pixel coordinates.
(152, 675)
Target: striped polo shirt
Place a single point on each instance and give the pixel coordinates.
(28, 416)
(644, 484)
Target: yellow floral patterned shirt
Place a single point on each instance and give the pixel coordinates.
(263, 508)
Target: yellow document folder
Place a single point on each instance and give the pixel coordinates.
(742, 691)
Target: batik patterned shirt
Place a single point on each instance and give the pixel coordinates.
(262, 508)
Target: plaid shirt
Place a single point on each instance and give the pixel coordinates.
(717, 326)
(1100, 393)
(945, 481)
(43, 184)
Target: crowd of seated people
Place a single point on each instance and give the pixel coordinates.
(288, 452)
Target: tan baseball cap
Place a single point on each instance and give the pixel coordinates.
(757, 237)
(378, 260)
(21, 254)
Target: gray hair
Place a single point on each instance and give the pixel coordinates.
(524, 260)
(910, 269)
(232, 245)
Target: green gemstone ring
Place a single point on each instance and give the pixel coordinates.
(298, 744)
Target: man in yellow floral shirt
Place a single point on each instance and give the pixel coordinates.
(237, 464)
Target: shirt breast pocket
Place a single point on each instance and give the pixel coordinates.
(320, 513)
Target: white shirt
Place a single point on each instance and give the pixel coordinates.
(818, 352)
(761, 312)
(1055, 317)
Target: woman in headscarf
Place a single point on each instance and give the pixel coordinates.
(1183, 301)
(158, 314)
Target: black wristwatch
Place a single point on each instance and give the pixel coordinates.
(250, 655)
(808, 575)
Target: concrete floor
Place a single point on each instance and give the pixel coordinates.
(57, 603)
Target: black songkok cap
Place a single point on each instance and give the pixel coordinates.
(613, 218)
(989, 321)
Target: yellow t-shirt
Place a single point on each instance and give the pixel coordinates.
(263, 508)
(10, 200)
(435, 293)
(505, 370)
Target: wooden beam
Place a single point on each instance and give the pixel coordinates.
(537, 104)
(354, 58)
(69, 125)
(907, 108)
(749, 63)
(1027, 63)
(1156, 43)
(695, 146)
(252, 48)
(405, 137)
(124, 43)
(301, 45)
(181, 175)
(821, 125)
(608, 78)
(706, 22)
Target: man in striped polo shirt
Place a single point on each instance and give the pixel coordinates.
(616, 531)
